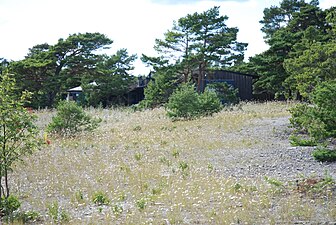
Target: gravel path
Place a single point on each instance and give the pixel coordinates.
(274, 157)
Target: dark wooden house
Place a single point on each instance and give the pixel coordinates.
(137, 93)
(243, 82)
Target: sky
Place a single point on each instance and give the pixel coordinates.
(131, 24)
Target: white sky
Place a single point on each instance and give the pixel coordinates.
(131, 24)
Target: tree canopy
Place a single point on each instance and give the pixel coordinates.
(197, 43)
(49, 70)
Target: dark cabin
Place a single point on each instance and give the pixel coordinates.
(243, 82)
(137, 93)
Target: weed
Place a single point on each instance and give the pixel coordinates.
(138, 156)
(237, 186)
(57, 214)
(156, 191)
(99, 198)
(79, 197)
(141, 204)
(27, 217)
(175, 153)
(210, 167)
(117, 209)
(273, 181)
(183, 166)
(137, 128)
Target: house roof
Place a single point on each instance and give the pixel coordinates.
(80, 89)
(234, 72)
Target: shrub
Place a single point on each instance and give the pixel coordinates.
(297, 141)
(226, 93)
(318, 119)
(141, 204)
(57, 214)
(160, 88)
(186, 103)
(209, 103)
(71, 118)
(324, 155)
(9, 205)
(100, 198)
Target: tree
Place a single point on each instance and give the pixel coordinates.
(163, 84)
(112, 78)
(186, 103)
(197, 43)
(48, 70)
(316, 64)
(18, 133)
(286, 29)
(3, 65)
(71, 119)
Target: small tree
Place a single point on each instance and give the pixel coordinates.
(18, 133)
(186, 103)
(70, 119)
(317, 119)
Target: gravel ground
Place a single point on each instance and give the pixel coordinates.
(274, 157)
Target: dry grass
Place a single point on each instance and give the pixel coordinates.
(155, 171)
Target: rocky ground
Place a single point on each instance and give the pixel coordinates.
(274, 157)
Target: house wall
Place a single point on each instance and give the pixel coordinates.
(243, 82)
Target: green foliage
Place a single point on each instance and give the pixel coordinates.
(117, 209)
(70, 119)
(318, 119)
(57, 214)
(196, 43)
(27, 217)
(315, 65)
(285, 68)
(297, 141)
(273, 181)
(183, 103)
(225, 92)
(324, 155)
(209, 103)
(141, 203)
(99, 198)
(112, 78)
(18, 133)
(186, 103)
(49, 70)
(160, 88)
(9, 204)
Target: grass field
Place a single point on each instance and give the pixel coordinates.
(142, 168)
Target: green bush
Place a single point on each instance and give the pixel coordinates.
(186, 103)
(324, 155)
(70, 119)
(9, 205)
(100, 198)
(297, 141)
(159, 89)
(317, 119)
(225, 92)
(209, 103)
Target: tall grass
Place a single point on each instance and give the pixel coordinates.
(157, 171)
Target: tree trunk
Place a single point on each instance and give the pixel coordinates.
(6, 183)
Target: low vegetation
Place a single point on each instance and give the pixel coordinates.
(71, 119)
(142, 167)
(186, 103)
